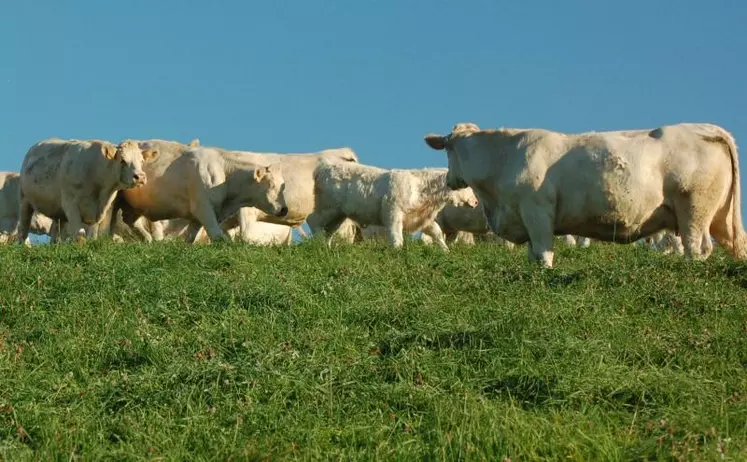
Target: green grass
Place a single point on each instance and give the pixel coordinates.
(177, 352)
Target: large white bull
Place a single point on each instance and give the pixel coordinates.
(611, 186)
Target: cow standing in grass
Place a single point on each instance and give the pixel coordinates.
(76, 181)
(400, 200)
(612, 186)
(9, 210)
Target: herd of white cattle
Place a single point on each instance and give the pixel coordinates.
(674, 187)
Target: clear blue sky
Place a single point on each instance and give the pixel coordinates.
(373, 75)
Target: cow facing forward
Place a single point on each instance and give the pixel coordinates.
(401, 200)
(76, 181)
(611, 186)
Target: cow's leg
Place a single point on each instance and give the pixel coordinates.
(92, 231)
(75, 228)
(156, 228)
(203, 211)
(434, 231)
(325, 223)
(131, 219)
(141, 228)
(465, 237)
(394, 221)
(450, 235)
(192, 232)
(706, 247)
(331, 228)
(138, 225)
(539, 226)
(692, 239)
(24, 221)
(9, 228)
(55, 233)
(103, 226)
(316, 222)
(693, 220)
(247, 219)
(288, 240)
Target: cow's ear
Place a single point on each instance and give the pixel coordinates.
(436, 142)
(149, 154)
(110, 151)
(194, 143)
(260, 173)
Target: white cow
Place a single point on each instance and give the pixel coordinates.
(9, 213)
(401, 200)
(298, 172)
(204, 185)
(612, 186)
(77, 181)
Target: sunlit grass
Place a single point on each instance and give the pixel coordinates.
(229, 351)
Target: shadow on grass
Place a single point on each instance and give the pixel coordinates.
(528, 390)
(440, 341)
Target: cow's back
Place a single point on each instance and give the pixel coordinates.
(354, 189)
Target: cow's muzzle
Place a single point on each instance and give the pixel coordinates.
(138, 180)
(283, 212)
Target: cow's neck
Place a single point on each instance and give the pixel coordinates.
(434, 185)
(239, 176)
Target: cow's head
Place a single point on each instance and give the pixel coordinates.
(271, 193)
(464, 197)
(454, 178)
(129, 158)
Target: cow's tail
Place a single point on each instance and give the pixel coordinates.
(739, 239)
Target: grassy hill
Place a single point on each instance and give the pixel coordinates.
(228, 351)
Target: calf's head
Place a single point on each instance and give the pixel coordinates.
(464, 197)
(454, 179)
(128, 159)
(270, 193)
